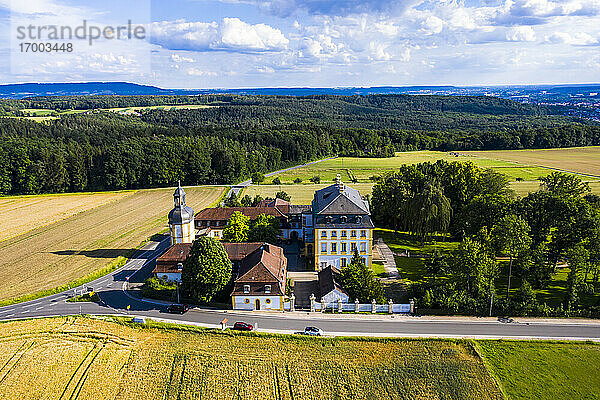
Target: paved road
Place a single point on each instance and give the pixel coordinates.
(115, 299)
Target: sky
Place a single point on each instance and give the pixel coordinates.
(312, 43)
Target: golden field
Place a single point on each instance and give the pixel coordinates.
(71, 248)
(81, 358)
(582, 160)
(23, 213)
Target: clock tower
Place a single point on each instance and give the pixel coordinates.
(181, 219)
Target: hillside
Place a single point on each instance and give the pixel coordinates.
(87, 143)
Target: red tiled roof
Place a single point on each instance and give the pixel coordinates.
(224, 213)
(265, 266)
(168, 261)
(238, 251)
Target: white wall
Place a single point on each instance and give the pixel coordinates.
(334, 295)
(240, 304)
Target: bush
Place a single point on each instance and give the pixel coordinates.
(277, 181)
(297, 180)
(315, 179)
(156, 288)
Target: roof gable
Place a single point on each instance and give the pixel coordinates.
(339, 199)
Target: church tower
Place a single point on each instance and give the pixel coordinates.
(181, 219)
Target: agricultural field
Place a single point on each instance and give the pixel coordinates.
(362, 169)
(55, 254)
(20, 214)
(84, 358)
(301, 194)
(544, 370)
(523, 167)
(582, 160)
(131, 110)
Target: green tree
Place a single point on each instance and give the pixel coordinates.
(562, 184)
(232, 201)
(258, 178)
(476, 266)
(578, 258)
(206, 271)
(257, 200)
(297, 180)
(277, 181)
(315, 179)
(511, 236)
(428, 212)
(237, 228)
(246, 201)
(437, 265)
(360, 282)
(264, 229)
(283, 196)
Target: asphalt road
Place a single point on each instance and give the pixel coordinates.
(115, 298)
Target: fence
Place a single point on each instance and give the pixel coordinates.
(355, 307)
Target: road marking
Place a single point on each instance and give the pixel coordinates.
(39, 308)
(24, 312)
(9, 315)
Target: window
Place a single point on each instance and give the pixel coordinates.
(363, 234)
(179, 266)
(353, 247)
(343, 234)
(343, 262)
(268, 301)
(246, 288)
(334, 247)
(267, 289)
(333, 234)
(363, 247)
(358, 219)
(324, 234)
(343, 247)
(343, 219)
(323, 247)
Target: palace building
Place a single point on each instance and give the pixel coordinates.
(337, 223)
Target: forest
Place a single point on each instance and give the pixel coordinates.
(99, 149)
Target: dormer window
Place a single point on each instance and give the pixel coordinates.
(246, 288)
(267, 289)
(343, 219)
(358, 219)
(179, 267)
(328, 219)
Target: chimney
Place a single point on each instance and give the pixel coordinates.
(338, 181)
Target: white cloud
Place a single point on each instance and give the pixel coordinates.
(231, 34)
(180, 59)
(521, 34)
(432, 25)
(577, 39)
(199, 72)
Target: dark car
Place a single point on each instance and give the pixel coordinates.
(177, 309)
(242, 326)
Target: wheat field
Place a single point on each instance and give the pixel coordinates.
(82, 358)
(55, 254)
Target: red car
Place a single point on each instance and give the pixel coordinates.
(242, 326)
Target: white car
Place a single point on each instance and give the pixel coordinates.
(313, 331)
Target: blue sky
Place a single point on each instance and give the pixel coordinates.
(255, 43)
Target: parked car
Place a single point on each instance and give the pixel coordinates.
(313, 331)
(178, 308)
(242, 326)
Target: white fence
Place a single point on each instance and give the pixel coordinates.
(389, 308)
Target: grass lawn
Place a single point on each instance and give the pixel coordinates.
(86, 358)
(301, 194)
(378, 269)
(544, 370)
(362, 169)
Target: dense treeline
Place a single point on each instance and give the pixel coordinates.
(240, 135)
(557, 225)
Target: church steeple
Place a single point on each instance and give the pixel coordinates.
(181, 218)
